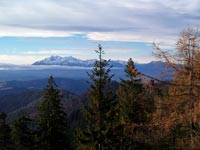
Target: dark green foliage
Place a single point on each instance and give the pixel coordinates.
(135, 100)
(5, 138)
(100, 113)
(136, 105)
(22, 134)
(52, 129)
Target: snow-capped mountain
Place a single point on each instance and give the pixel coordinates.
(71, 61)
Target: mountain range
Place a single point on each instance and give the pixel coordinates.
(72, 61)
(73, 68)
(153, 68)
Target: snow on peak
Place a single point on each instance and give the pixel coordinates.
(54, 58)
(72, 61)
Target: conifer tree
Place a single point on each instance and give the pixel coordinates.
(52, 123)
(136, 105)
(183, 91)
(5, 138)
(22, 134)
(187, 96)
(100, 111)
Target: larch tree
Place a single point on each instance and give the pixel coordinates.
(184, 91)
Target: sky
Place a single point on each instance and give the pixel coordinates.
(32, 30)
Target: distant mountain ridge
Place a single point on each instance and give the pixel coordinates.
(72, 61)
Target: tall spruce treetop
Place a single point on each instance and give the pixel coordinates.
(131, 71)
(52, 122)
(100, 111)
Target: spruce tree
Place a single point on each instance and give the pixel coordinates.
(100, 111)
(5, 138)
(22, 134)
(135, 106)
(52, 123)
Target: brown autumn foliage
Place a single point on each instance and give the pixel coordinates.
(180, 108)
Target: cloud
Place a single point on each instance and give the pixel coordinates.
(53, 52)
(17, 59)
(140, 37)
(111, 20)
(30, 32)
(81, 53)
(30, 56)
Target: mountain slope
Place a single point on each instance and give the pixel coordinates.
(77, 86)
(13, 101)
(71, 102)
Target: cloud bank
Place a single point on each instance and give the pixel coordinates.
(111, 20)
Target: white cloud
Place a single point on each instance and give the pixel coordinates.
(82, 54)
(17, 59)
(53, 52)
(141, 60)
(29, 32)
(127, 20)
(29, 56)
(140, 37)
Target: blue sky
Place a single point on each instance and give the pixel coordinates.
(32, 30)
